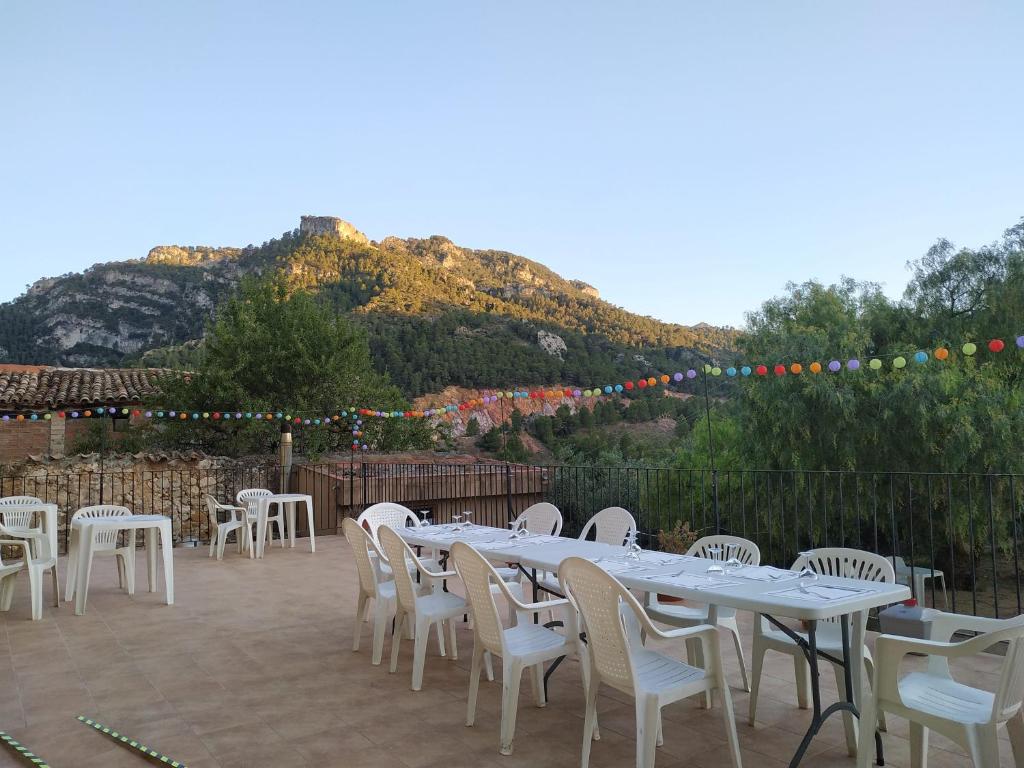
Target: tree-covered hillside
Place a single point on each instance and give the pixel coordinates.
(436, 314)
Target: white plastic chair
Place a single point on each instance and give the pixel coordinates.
(613, 619)
(719, 547)
(219, 531)
(916, 577)
(249, 498)
(421, 611)
(524, 645)
(831, 561)
(542, 518)
(371, 587)
(20, 519)
(106, 546)
(612, 525)
(36, 560)
(393, 516)
(934, 700)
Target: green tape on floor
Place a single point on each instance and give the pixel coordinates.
(23, 751)
(129, 742)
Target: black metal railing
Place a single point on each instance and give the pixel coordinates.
(957, 537)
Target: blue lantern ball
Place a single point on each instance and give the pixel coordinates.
(618, 387)
(745, 370)
(920, 356)
(607, 390)
(730, 371)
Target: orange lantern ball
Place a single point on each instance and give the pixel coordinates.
(796, 368)
(815, 367)
(664, 378)
(87, 413)
(652, 382)
(941, 353)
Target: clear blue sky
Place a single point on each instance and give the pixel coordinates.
(686, 158)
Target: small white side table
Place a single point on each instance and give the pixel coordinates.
(80, 556)
(287, 501)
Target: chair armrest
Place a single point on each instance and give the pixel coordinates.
(541, 605)
(436, 574)
(26, 551)
(896, 647)
(945, 625)
(674, 634)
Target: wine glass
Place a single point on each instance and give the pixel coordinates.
(468, 514)
(715, 553)
(457, 519)
(633, 549)
(426, 514)
(733, 564)
(807, 576)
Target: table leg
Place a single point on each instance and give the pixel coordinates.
(168, 555)
(86, 541)
(309, 517)
(149, 536)
(812, 659)
(72, 576)
(263, 509)
(290, 506)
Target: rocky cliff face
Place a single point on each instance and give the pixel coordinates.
(330, 226)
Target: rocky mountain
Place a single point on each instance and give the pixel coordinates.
(437, 313)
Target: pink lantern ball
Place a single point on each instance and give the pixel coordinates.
(1020, 342)
(677, 376)
(853, 365)
(834, 366)
(578, 393)
(691, 374)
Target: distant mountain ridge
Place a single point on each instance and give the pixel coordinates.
(437, 314)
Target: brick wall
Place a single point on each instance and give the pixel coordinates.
(19, 439)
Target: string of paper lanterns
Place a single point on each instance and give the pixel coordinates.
(354, 415)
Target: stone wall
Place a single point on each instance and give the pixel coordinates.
(172, 485)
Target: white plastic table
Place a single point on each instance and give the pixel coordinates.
(287, 502)
(687, 577)
(81, 553)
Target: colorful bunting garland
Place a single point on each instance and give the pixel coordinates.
(354, 415)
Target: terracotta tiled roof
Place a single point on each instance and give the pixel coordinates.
(40, 388)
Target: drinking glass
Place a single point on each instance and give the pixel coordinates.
(426, 514)
(733, 564)
(457, 519)
(468, 514)
(633, 549)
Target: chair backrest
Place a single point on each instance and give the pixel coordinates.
(722, 547)
(385, 513)
(477, 575)
(21, 518)
(399, 555)
(611, 526)
(848, 563)
(211, 508)
(541, 517)
(361, 542)
(104, 539)
(609, 615)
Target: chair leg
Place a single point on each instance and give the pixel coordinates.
(1015, 730)
(866, 737)
(452, 640)
(7, 591)
(129, 567)
(439, 627)
(757, 662)
(848, 723)
(695, 658)
(213, 540)
(537, 682)
(419, 657)
(589, 723)
(918, 745)
(983, 745)
(474, 683)
(72, 572)
(489, 666)
(396, 640)
(733, 628)
(647, 711)
(380, 621)
(802, 670)
(511, 677)
(35, 593)
(869, 667)
(360, 607)
(56, 587)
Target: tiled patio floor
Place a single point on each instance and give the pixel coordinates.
(253, 667)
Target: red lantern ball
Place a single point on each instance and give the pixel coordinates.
(628, 385)
(762, 370)
(780, 370)
(216, 415)
(996, 345)
(642, 383)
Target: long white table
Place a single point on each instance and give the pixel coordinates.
(687, 577)
(81, 552)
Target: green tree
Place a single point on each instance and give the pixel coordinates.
(516, 421)
(271, 350)
(490, 440)
(472, 427)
